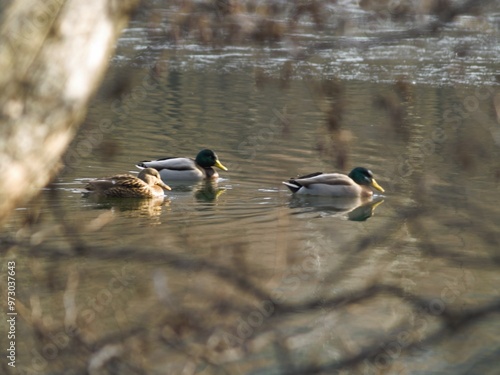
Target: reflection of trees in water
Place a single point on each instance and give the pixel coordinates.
(218, 23)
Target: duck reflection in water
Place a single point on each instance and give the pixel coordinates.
(202, 191)
(354, 209)
(208, 191)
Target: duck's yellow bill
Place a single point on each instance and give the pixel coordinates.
(165, 186)
(219, 165)
(377, 186)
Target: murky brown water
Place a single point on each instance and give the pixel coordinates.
(159, 285)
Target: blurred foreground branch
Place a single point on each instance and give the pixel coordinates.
(201, 334)
(52, 57)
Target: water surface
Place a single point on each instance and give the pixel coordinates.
(160, 282)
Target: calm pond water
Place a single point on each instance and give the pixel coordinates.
(163, 286)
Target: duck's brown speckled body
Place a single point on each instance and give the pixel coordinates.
(147, 184)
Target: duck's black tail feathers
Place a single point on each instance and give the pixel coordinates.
(292, 185)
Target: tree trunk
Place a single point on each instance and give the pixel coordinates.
(53, 55)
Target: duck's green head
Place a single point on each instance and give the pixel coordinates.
(363, 176)
(207, 158)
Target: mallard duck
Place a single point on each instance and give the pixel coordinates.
(147, 184)
(185, 169)
(356, 184)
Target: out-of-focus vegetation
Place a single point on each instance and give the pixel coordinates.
(218, 23)
(50, 67)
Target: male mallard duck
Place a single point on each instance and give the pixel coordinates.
(147, 184)
(185, 169)
(356, 184)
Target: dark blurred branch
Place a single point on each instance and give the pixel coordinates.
(238, 279)
(243, 283)
(370, 353)
(175, 261)
(179, 319)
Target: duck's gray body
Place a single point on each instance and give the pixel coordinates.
(185, 169)
(357, 184)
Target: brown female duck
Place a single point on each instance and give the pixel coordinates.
(147, 184)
